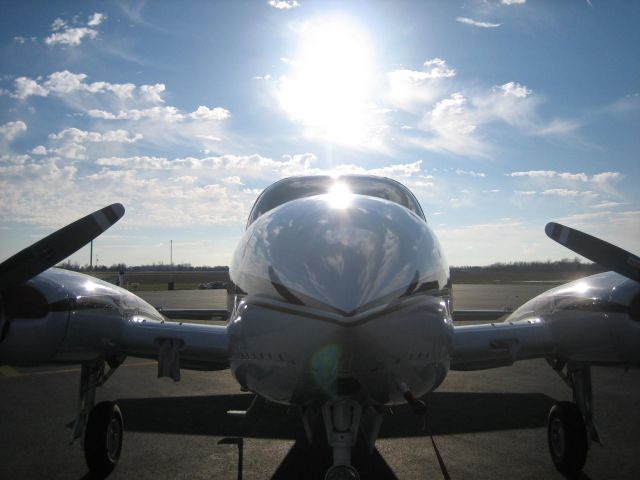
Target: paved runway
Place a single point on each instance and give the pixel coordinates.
(487, 425)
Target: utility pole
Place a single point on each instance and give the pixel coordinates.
(172, 284)
(91, 257)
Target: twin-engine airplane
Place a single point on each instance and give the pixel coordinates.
(339, 303)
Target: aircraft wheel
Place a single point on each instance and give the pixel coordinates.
(342, 472)
(103, 439)
(567, 437)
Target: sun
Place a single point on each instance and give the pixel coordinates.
(331, 82)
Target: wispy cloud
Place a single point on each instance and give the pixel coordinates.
(476, 23)
(65, 83)
(283, 4)
(559, 192)
(10, 130)
(65, 33)
(470, 173)
(408, 89)
(599, 178)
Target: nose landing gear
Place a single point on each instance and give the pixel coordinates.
(342, 472)
(341, 420)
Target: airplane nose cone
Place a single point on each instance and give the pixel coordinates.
(344, 257)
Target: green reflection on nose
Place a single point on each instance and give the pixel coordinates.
(324, 367)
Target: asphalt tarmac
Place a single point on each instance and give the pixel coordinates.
(486, 425)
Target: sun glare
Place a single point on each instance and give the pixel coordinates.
(331, 81)
(339, 196)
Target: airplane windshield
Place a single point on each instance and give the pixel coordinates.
(300, 187)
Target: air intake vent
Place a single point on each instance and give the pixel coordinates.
(24, 302)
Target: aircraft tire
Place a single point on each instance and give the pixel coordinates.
(342, 472)
(103, 439)
(567, 438)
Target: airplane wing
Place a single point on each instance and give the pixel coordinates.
(478, 347)
(594, 320)
(195, 313)
(49, 315)
(72, 318)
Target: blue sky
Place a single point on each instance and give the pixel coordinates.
(499, 115)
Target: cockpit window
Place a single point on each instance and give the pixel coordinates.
(300, 187)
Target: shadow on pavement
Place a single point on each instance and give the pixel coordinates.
(449, 413)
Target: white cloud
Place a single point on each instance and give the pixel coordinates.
(564, 192)
(168, 114)
(64, 34)
(284, 4)
(234, 180)
(607, 205)
(476, 23)
(72, 151)
(75, 135)
(512, 2)
(606, 177)
(19, 39)
(211, 138)
(533, 173)
(25, 87)
(10, 130)
(67, 82)
(70, 36)
(263, 77)
(39, 150)
(438, 68)
(206, 113)
(471, 173)
(58, 24)
(153, 92)
(515, 89)
(96, 19)
(599, 178)
(556, 127)
(408, 88)
(451, 127)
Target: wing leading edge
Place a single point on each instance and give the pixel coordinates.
(82, 318)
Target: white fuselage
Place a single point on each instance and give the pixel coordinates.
(350, 300)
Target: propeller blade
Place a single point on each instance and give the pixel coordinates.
(59, 245)
(608, 255)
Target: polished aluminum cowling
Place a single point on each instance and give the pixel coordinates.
(345, 254)
(339, 296)
(594, 319)
(78, 318)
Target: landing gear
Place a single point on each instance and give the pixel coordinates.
(571, 427)
(341, 420)
(342, 472)
(103, 439)
(100, 427)
(567, 437)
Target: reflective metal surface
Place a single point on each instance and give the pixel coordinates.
(339, 294)
(346, 254)
(300, 187)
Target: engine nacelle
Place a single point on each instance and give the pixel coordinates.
(595, 319)
(63, 316)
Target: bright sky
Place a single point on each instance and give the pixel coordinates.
(500, 115)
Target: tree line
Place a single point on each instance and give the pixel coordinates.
(564, 265)
(154, 267)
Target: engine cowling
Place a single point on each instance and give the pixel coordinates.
(594, 319)
(63, 316)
